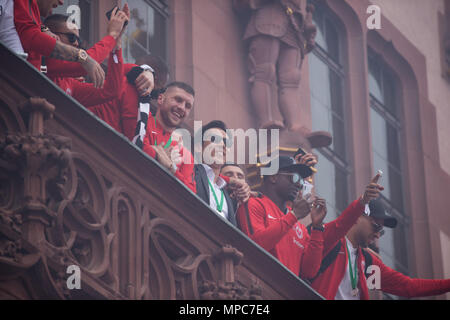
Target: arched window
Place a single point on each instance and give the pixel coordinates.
(326, 76)
(386, 127)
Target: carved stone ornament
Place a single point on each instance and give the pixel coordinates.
(226, 287)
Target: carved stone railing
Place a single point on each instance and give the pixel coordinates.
(74, 192)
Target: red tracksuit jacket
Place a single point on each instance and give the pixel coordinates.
(87, 94)
(127, 108)
(155, 133)
(392, 281)
(282, 235)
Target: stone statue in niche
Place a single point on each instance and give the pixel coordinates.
(279, 34)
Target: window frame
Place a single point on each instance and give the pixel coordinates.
(338, 67)
(395, 121)
(162, 8)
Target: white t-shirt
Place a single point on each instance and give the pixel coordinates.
(218, 186)
(8, 33)
(345, 288)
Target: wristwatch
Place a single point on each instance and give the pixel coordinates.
(146, 67)
(82, 55)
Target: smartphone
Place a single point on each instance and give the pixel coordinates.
(109, 13)
(300, 152)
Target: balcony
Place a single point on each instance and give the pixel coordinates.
(75, 192)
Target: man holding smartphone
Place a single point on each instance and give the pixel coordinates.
(345, 266)
(274, 226)
(37, 43)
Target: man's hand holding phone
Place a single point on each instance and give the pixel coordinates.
(118, 19)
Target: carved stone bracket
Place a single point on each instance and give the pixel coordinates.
(227, 258)
(226, 288)
(38, 158)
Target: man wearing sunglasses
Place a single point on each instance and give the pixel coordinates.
(71, 37)
(212, 187)
(344, 269)
(86, 93)
(65, 31)
(119, 108)
(38, 43)
(272, 224)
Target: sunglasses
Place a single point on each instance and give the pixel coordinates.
(71, 37)
(217, 139)
(376, 227)
(295, 177)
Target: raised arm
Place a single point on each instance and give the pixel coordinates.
(339, 227)
(398, 284)
(312, 257)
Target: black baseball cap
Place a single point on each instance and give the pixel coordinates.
(378, 211)
(288, 164)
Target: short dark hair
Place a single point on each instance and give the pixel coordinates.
(54, 20)
(234, 165)
(181, 85)
(215, 124)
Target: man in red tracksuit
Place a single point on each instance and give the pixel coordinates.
(86, 93)
(174, 106)
(268, 222)
(37, 43)
(344, 277)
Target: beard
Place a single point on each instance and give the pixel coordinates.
(169, 119)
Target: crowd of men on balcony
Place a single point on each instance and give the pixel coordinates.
(332, 257)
